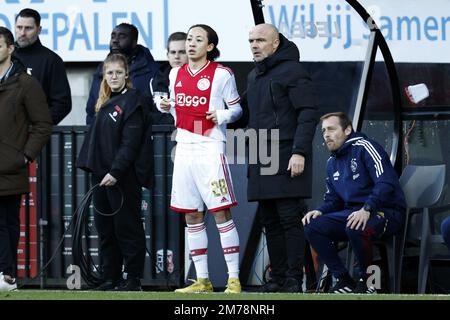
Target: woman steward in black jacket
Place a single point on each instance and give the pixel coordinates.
(109, 152)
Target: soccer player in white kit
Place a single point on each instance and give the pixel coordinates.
(203, 99)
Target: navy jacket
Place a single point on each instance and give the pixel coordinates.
(142, 68)
(360, 173)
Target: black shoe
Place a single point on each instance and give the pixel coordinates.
(271, 286)
(130, 284)
(108, 285)
(344, 284)
(362, 288)
(292, 285)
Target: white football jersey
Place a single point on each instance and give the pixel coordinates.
(213, 87)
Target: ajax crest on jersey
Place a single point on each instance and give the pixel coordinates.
(203, 84)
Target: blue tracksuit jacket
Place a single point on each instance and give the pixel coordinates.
(359, 173)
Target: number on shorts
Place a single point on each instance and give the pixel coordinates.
(219, 188)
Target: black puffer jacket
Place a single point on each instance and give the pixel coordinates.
(281, 97)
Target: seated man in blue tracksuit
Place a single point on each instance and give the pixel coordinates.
(363, 201)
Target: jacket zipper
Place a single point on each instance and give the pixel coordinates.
(273, 103)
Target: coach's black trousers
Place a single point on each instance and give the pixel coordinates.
(281, 219)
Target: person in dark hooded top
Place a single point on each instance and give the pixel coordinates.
(142, 66)
(282, 110)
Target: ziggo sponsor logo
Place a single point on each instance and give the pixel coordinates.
(188, 101)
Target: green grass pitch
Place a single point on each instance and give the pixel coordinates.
(153, 295)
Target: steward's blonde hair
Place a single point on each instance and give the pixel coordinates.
(105, 91)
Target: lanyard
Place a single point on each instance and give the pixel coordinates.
(6, 75)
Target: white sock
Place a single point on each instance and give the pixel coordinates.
(198, 246)
(229, 239)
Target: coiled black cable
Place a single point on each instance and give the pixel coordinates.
(78, 224)
(80, 253)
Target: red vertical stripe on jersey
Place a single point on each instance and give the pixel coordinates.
(192, 98)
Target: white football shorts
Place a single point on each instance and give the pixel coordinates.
(201, 176)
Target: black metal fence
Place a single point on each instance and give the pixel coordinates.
(60, 188)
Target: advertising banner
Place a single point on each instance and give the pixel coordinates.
(325, 30)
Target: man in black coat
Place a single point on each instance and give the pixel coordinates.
(281, 106)
(43, 64)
